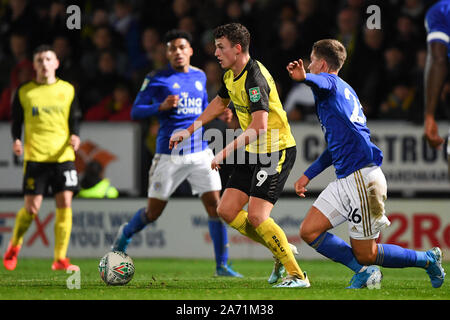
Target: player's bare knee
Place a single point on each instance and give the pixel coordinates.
(224, 213)
(303, 233)
(365, 257)
(307, 234)
(32, 209)
(255, 219)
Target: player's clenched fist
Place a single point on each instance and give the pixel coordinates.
(296, 70)
(170, 102)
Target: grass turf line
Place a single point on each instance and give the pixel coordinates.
(193, 279)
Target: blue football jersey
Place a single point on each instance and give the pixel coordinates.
(344, 124)
(437, 23)
(193, 99)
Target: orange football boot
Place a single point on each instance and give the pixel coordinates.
(64, 264)
(10, 257)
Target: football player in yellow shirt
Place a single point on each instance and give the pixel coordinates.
(48, 109)
(270, 150)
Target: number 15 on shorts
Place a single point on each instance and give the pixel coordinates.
(71, 178)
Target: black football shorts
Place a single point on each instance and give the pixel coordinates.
(263, 175)
(54, 177)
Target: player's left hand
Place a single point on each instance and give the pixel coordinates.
(75, 141)
(300, 186)
(296, 70)
(178, 137)
(227, 115)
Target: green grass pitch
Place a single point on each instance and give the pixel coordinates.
(189, 279)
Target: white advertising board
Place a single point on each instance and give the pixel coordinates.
(409, 164)
(182, 230)
(116, 144)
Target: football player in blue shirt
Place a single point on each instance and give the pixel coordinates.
(177, 96)
(360, 190)
(437, 24)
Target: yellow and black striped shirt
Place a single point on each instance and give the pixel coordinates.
(50, 115)
(252, 90)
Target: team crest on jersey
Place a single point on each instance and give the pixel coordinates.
(198, 85)
(176, 85)
(255, 94)
(34, 111)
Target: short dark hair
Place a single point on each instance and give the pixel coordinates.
(43, 48)
(332, 51)
(236, 33)
(177, 34)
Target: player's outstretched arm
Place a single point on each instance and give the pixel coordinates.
(321, 163)
(215, 108)
(257, 127)
(296, 70)
(435, 74)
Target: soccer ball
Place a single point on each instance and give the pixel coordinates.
(116, 268)
(374, 281)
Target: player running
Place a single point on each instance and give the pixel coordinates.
(177, 95)
(269, 144)
(359, 193)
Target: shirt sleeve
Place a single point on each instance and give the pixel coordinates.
(205, 93)
(258, 90)
(146, 103)
(223, 91)
(319, 82)
(437, 25)
(17, 117)
(323, 162)
(74, 117)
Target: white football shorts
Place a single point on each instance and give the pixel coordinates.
(169, 171)
(358, 199)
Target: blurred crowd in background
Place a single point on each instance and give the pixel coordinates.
(120, 41)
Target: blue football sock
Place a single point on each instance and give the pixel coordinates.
(136, 224)
(336, 249)
(219, 236)
(393, 256)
